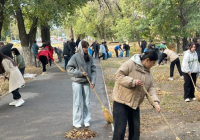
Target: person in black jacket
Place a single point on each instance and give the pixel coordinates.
(73, 47)
(126, 47)
(67, 52)
(106, 47)
(197, 47)
(151, 45)
(143, 45)
(6, 49)
(77, 41)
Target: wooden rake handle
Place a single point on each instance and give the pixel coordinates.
(149, 96)
(93, 89)
(192, 81)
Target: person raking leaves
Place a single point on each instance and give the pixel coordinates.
(128, 93)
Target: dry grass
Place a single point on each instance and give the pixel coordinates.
(183, 117)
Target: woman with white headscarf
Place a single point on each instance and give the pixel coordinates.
(80, 85)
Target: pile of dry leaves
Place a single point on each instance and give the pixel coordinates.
(80, 134)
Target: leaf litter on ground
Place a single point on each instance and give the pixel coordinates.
(80, 134)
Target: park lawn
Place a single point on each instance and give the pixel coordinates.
(183, 117)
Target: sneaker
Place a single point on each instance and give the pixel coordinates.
(170, 78)
(13, 103)
(19, 102)
(187, 100)
(43, 73)
(194, 99)
(87, 124)
(77, 125)
(181, 77)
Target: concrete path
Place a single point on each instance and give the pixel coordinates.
(47, 112)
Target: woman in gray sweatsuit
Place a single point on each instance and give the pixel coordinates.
(190, 68)
(80, 85)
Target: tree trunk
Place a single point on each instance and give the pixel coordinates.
(45, 33)
(99, 31)
(185, 42)
(72, 32)
(178, 44)
(2, 2)
(26, 39)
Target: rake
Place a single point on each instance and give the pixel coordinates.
(108, 116)
(177, 138)
(59, 67)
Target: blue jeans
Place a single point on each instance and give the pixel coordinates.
(67, 58)
(127, 53)
(81, 92)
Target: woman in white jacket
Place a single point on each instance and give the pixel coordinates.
(190, 67)
(16, 80)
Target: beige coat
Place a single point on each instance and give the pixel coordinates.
(16, 79)
(126, 92)
(171, 56)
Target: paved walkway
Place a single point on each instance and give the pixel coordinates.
(47, 112)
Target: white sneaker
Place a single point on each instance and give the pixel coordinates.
(19, 102)
(194, 99)
(170, 78)
(87, 124)
(187, 100)
(181, 77)
(77, 125)
(13, 103)
(43, 73)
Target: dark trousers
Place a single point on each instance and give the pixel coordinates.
(188, 86)
(44, 61)
(121, 114)
(103, 55)
(178, 65)
(107, 54)
(50, 61)
(142, 50)
(116, 52)
(22, 71)
(66, 58)
(92, 53)
(37, 63)
(16, 94)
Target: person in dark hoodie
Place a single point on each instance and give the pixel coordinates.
(6, 49)
(73, 47)
(197, 48)
(77, 41)
(80, 85)
(106, 47)
(67, 52)
(143, 45)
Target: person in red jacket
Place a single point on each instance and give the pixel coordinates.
(50, 48)
(44, 56)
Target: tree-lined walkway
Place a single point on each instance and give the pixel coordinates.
(47, 112)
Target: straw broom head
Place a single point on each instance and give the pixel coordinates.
(107, 115)
(197, 94)
(177, 138)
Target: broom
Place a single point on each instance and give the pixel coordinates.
(177, 138)
(59, 67)
(108, 116)
(196, 93)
